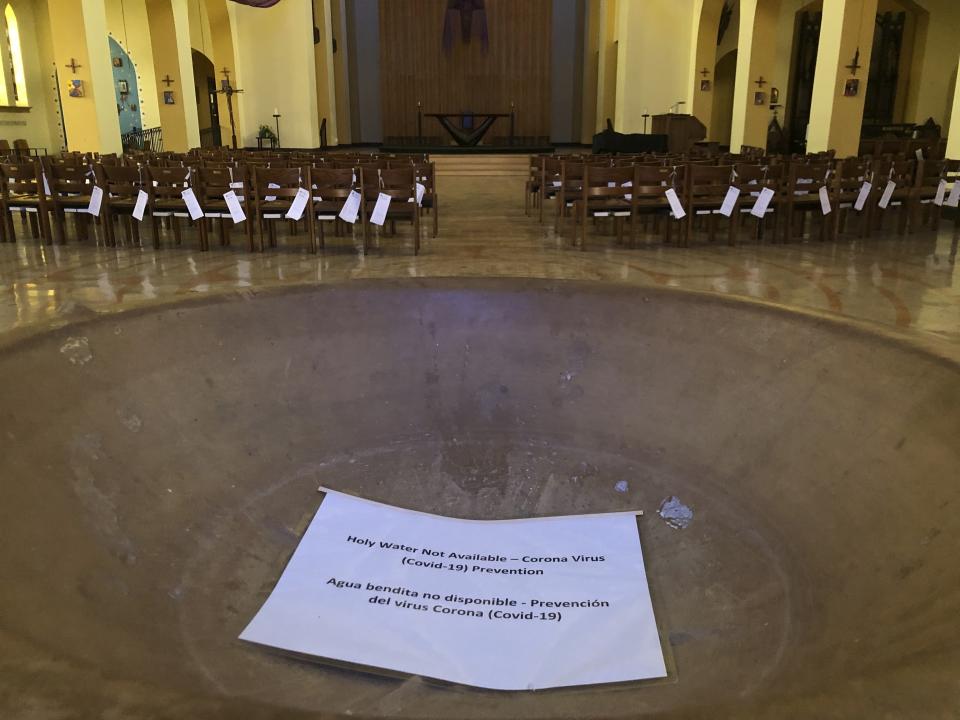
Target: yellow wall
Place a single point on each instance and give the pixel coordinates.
(338, 24)
(706, 20)
(127, 23)
(278, 74)
(169, 34)
(223, 57)
(953, 132)
(835, 120)
(324, 72)
(653, 59)
(79, 30)
(39, 126)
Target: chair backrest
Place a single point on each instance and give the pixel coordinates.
(20, 178)
(651, 181)
(167, 183)
(213, 182)
(398, 183)
(806, 178)
(427, 176)
(332, 184)
(285, 181)
(120, 180)
(709, 182)
(605, 184)
(67, 178)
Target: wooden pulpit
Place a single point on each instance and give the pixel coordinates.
(682, 131)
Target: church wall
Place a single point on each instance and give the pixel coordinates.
(653, 60)
(39, 126)
(127, 24)
(277, 70)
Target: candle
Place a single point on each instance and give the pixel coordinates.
(276, 112)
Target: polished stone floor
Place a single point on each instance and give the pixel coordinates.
(903, 286)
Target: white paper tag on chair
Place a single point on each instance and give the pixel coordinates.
(762, 203)
(299, 203)
(46, 185)
(825, 200)
(557, 183)
(628, 196)
(862, 197)
(421, 189)
(233, 205)
(919, 153)
(193, 207)
(941, 193)
(954, 199)
(351, 207)
(96, 198)
(887, 194)
(140, 206)
(729, 201)
(379, 214)
(271, 198)
(678, 211)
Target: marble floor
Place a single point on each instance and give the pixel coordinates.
(903, 286)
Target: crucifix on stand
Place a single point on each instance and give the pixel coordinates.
(227, 89)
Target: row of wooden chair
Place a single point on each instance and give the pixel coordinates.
(829, 191)
(44, 189)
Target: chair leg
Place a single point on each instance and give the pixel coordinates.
(435, 211)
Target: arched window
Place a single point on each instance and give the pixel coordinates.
(15, 63)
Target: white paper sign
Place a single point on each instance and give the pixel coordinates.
(379, 214)
(351, 207)
(271, 198)
(299, 203)
(140, 206)
(862, 197)
(46, 185)
(675, 206)
(954, 199)
(96, 199)
(233, 205)
(627, 196)
(729, 201)
(941, 193)
(421, 189)
(919, 153)
(193, 207)
(825, 200)
(762, 203)
(887, 194)
(507, 605)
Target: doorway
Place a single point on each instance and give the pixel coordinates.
(205, 90)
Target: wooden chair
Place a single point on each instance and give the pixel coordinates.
(706, 189)
(531, 188)
(549, 181)
(951, 173)
(400, 185)
(903, 173)
(569, 190)
(607, 192)
(212, 183)
(922, 207)
(427, 176)
(649, 194)
(754, 179)
(69, 186)
(848, 180)
(331, 187)
(165, 188)
(121, 185)
(802, 195)
(21, 185)
(273, 191)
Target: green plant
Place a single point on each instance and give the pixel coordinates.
(266, 132)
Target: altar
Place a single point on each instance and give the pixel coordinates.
(467, 134)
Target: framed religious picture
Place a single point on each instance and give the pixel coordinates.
(168, 97)
(75, 88)
(123, 87)
(118, 62)
(852, 87)
(705, 86)
(759, 98)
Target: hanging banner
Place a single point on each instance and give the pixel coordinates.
(505, 604)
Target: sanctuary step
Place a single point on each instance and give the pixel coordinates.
(481, 165)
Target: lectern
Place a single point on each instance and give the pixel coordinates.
(682, 131)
